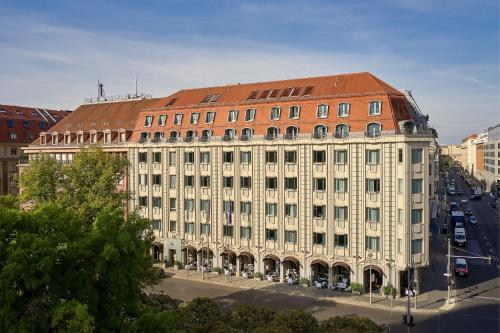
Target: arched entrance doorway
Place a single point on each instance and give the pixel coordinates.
(272, 267)
(246, 264)
(291, 269)
(206, 258)
(189, 257)
(319, 273)
(157, 251)
(376, 278)
(341, 275)
(229, 262)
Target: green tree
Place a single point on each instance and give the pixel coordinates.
(151, 320)
(41, 180)
(246, 318)
(201, 315)
(346, 324)
(72, 317)
(297, 321)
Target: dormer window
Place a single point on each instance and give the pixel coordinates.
(250, 115)
(373, 130)
(294, 112)
(158, 137)
(67, 139)
(93, 138)
(246, 134)
(190, 136)
(232, 116)
(291, 132)
(194, 118)
(210, 117)
(107, 137)
(205, 135)
(148, 121)
(178, 118)
(341, 131)
(174, 135)
(275, 113)
(55, 139)
(162, 120)
(122, 137)
(43, 139)
(322, 111)
(343, 110)
(375, 108)
(80, 138)
(229, 134)
(319, 132)
(272, 133)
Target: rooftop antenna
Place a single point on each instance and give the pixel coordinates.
(136, 85)
(100, 90)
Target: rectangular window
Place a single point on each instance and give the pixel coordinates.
(318, 238)
(319, 212)
(322, 111)
(156, 225)
(205, 229)
(271, 234)
(173, 226)
(246, 232)
(10, 123)
(416, 186)
(275, 113)
(194, 118)
(189, 226)
(343, 110)
(204, 205)
(178, 118)
(173, 204)
(372, 214)
(228, 206)
(319, 156)
(189, 181)
(341, 240)
(228, 231)
(26, 124)
(294, 112)
(41, 125)
(246, 182)
(271, 183)
(143, 201)
(271, 209)
(162, 120)
(341, 185)
(400, 155)
(400, 186)
(373, 185)
(291, 236)
(143, 179)
(204, 157)
(227, 182)
(291, 183)
(341, 157)
(400, 245)
(416, 246)
(156, 179)
(319, 184)
(290, 156)
(157, 157)
(172, 181)
(250, 115)
(271, 156)
(189, 157)
(143, 157)
(372, 243)
(375, 108)
(400, 215)
(372, 156)
(189, 205)
(228, 157)
(205, 181)
(291, 210)
(148, 121)
(157, 202)
(13, 151)
(172, 158)
(210, 117)
(246, 207)
(416, 156)
(341, 213)
(416, 216)
(232, 116)
(13, 136)
(246, 157)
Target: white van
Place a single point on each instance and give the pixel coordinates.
(460, 237)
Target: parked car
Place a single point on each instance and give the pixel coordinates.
(461, 267)
(475, 197)
(459, 225)
(463, 201)
(468, 211)
(460, 192)
(473, 219)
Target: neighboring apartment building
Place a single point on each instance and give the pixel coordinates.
(319, 177)
(491, 153)
(19, 126)
(454, 151)
(468, 158)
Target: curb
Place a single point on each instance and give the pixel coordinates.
(330, 299)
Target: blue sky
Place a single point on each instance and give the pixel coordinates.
(446, 52)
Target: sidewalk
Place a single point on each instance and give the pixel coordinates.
(426, 303)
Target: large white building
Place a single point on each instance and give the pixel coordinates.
(319, 177)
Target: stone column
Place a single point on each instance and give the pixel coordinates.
(199, 262)
(238, 269)
(330, 277)
(282, 271)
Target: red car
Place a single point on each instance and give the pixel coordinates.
(461, 267)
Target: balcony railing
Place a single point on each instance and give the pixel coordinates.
(319, 135)
(189, 139)
(245, 137)
(341, 135)
(372, 134)
(271, 137)
(290, 136)
(173, 139)
(204, 138)
(227, 138)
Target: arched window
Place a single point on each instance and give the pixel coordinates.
(319, 132)
(373, 130)
(341, 131)
(229, 134)
(246, 134)
(205, 135)
(291, 132)
(144, 137)
(272, 133)
(190, 135)
(174, 135)
(158, 137)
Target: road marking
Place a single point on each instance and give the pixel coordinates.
(487, 297)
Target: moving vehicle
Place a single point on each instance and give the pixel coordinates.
(459, 237)
(473, 219)
(477, 191)
(468, 211)
(457, 217)
(460, 192)
(453, 207)
(451, 191)
(461, 267)
(475, 197)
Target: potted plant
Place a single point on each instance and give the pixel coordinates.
(216, 270)
(357, 288)
(305, 282)
(258, 276)
(177, 265)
